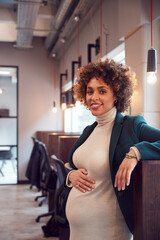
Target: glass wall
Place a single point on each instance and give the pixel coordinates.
(8, 125)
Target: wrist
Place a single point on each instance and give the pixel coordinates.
(70, 175)
(130, 156)
(68, 180)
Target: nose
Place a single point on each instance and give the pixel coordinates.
(95, 96)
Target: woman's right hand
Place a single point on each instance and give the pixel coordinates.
(81, 181)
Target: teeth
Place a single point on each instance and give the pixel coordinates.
(95, 105)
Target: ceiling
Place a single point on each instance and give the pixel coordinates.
(52, 20)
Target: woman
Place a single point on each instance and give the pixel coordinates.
(100, 203)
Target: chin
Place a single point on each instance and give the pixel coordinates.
(94, 113)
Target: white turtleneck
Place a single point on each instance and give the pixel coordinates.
(107, 117)
(96, 214)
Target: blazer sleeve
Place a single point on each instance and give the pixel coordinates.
(149, 139)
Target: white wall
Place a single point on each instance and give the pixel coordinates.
(35, 96)
(136, 30)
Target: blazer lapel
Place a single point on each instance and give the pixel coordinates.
(115, 136)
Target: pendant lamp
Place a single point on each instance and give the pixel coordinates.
(54, 107)
(151, 60)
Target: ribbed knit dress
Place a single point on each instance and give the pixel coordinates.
(95, 215)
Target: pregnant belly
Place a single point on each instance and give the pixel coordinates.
(82, 207)
(95, 214)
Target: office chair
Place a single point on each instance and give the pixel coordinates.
(61, 193)
(47, 178)
(33, 168)
(58, 223)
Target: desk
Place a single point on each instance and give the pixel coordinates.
(43, 136)
(64, 145)
(53, 143)
(146, 179)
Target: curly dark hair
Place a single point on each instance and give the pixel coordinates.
(121, 80)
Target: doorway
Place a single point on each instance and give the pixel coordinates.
(8, 124)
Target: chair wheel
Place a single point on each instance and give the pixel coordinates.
(37, 219)
(40, 204)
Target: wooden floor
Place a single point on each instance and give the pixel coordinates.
(18, 212)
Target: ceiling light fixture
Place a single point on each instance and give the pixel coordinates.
(54, 107)
(53, 55)
(63, 40)
(64, 105)
(151, 60)
(77, 18)
(54, 85)
(5, 73)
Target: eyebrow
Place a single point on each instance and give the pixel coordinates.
(100, 87)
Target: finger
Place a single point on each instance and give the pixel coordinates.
(123, 180)
(128, 177)
(86, 185)
(119, 179)
(79, 187)
(88, 179)
(84, 171)
(118, 176)
(115, 182)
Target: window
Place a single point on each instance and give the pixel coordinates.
(77, 118)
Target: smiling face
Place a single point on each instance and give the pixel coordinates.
(99, 97)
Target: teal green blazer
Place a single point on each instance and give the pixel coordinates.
(127, 131)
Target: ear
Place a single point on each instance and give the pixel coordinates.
(115, 98)
(115, 101)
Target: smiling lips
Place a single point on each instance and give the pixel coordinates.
(95, 106)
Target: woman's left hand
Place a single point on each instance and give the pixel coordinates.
(125, 170)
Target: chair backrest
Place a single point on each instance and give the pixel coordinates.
(47, 172)
(33, 168)
(61, 193)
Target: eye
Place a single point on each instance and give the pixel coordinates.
(102, 91)
(89, 92)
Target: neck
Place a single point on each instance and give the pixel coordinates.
(106, 117)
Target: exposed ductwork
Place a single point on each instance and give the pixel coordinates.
(26, 20)
(51, 19)
(82, 10)
(63, 14)
(27, 15)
